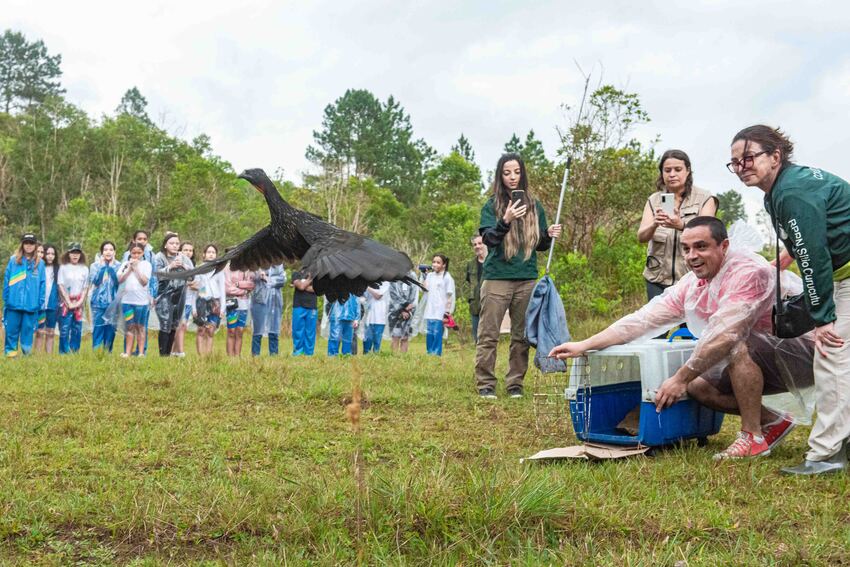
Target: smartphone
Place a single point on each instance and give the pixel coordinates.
(668, 201)
(516, 195)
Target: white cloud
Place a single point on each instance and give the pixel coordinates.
(257, 75)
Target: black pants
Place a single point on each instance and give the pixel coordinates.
(654, 289)
(166, 340)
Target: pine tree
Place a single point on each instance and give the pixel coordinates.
(28, 74)
(464, 149)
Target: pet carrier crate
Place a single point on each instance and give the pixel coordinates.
(611, 396)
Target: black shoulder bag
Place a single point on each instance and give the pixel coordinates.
(791, 317)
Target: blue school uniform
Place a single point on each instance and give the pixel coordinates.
(23, 295)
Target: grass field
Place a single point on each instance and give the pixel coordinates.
(255, 462)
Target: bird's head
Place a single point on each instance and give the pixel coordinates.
(258, 178)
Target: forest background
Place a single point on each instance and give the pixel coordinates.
(71, 177)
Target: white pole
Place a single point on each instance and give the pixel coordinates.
(558, 214)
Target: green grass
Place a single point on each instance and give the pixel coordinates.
(166, 462)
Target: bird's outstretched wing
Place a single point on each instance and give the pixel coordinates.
(259, 251)
(341, 262)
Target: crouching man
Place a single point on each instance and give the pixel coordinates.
(726, 301)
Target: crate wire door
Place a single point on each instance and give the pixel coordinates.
(551, 404)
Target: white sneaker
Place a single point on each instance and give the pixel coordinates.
(125, 355)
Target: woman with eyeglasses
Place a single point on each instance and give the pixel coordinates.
(667, 211)
(812, 211)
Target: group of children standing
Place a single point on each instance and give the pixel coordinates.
(42, 290)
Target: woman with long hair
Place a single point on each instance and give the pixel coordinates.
(104, 285)
(23, 293)
(811, 209)
(513, 227)
(675, 201)
(48, 313)
(73, 280)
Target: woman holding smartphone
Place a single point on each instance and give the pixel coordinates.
(513, 226)
(667, 211)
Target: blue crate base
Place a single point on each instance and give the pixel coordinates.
(610, 404)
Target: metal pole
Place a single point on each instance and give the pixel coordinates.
(558, 214)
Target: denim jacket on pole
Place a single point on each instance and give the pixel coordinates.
(546, 325)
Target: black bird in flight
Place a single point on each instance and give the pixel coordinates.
(339, 262)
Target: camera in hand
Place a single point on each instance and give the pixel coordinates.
(424, 268)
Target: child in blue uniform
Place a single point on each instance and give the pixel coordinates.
(23, 296)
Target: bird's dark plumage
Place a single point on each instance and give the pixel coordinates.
(338, 261)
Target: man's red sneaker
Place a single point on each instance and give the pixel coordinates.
(776, 431)
(745, 446)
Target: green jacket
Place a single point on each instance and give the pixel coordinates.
(493, 232)
(473, 295)
(813, 211)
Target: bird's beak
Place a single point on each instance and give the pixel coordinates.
(244, 175)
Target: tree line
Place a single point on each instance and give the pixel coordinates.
(69, 177)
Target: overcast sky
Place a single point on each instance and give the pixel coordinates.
(256, 75)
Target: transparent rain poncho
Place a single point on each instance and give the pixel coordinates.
(722, 313)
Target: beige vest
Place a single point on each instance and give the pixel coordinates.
(665, 263)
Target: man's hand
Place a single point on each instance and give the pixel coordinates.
(670, 391)
(568, 350)
(825, 335)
